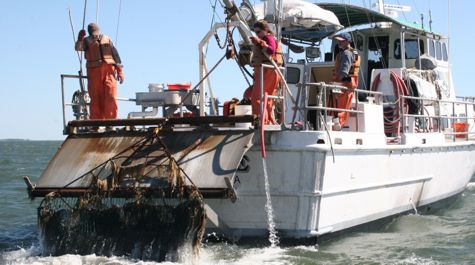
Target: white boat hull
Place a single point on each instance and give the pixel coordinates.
(313, 194)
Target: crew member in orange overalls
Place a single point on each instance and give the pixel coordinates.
(103, 67)
(265, 47)
(345, 73)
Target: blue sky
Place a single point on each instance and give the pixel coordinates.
(158, 43)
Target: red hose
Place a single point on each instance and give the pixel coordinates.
(262, 122)
(392, 118)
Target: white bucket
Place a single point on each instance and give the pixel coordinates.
(155, 87)
(243, 110)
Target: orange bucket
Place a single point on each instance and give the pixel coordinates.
(460, 127)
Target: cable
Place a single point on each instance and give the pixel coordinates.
(117, 29)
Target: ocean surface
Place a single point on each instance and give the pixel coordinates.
(446, 237)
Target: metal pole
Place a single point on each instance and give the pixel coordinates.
(466, 121)
(261, 89)
(97, 11)
(403, 48)
(84, 15)
(454, 120)
(63, 104)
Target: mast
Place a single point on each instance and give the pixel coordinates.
(381, 6)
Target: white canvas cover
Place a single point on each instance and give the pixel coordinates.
(298, 13)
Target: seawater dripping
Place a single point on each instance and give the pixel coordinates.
(273, 238)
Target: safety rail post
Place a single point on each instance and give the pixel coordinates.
(63, 104)
(402, 118)
(305, 106)
(356, 95)
(261, 96)
(296, 106)
(466, 120)
(453, 121)
(439, 119)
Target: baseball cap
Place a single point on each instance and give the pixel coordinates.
(344, 36)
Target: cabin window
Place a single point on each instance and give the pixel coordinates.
(445, 55)
(432, 48)
(411, 47)
(293, 75)
(439, 51)
(359, 42)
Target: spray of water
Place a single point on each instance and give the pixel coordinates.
(273, 238)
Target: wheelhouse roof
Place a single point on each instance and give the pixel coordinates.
(349, 16)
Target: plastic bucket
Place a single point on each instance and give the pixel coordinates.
(460, 127)
(155, 87)
(243, 110)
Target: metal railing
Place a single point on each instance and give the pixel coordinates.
(451, 120)
(323, 94)
(84, 104)
(63, 100)
(263, 97)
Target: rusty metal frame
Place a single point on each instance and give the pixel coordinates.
(210, 193)
(197, 121)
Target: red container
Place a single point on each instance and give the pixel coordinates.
(179, 86)
(185, 115)
(460, 127)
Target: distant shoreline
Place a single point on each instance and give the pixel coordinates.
(27, 140)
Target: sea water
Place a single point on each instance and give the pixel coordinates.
(273, 238)
(446, 237)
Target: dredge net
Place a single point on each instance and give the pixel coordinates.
(139, 205)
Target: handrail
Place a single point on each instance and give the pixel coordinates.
(68, 104)
(280, 97)
(440, 118)
(322, 95)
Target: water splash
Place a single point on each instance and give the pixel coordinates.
(273, 238)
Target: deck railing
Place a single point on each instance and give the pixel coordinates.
(445, 123)
(323, 93)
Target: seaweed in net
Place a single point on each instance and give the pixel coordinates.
(143, 209)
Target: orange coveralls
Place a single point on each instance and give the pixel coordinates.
(271, 77)
(271, 81)
(103, 62)
(102, 88)
(344, 99)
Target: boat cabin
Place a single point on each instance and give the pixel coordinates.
(386, 45)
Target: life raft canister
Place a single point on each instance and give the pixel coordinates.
(98, 51)
(354, 70)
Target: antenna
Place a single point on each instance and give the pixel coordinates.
(422, 20)
(97, 12)
(430, 20)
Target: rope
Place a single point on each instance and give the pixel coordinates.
(201, 81)
(118, 20)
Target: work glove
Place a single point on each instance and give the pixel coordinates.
(120, 74)
(258, 42)
(346, 79)
(81, 35)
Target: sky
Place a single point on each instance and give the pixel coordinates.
(158, 43)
